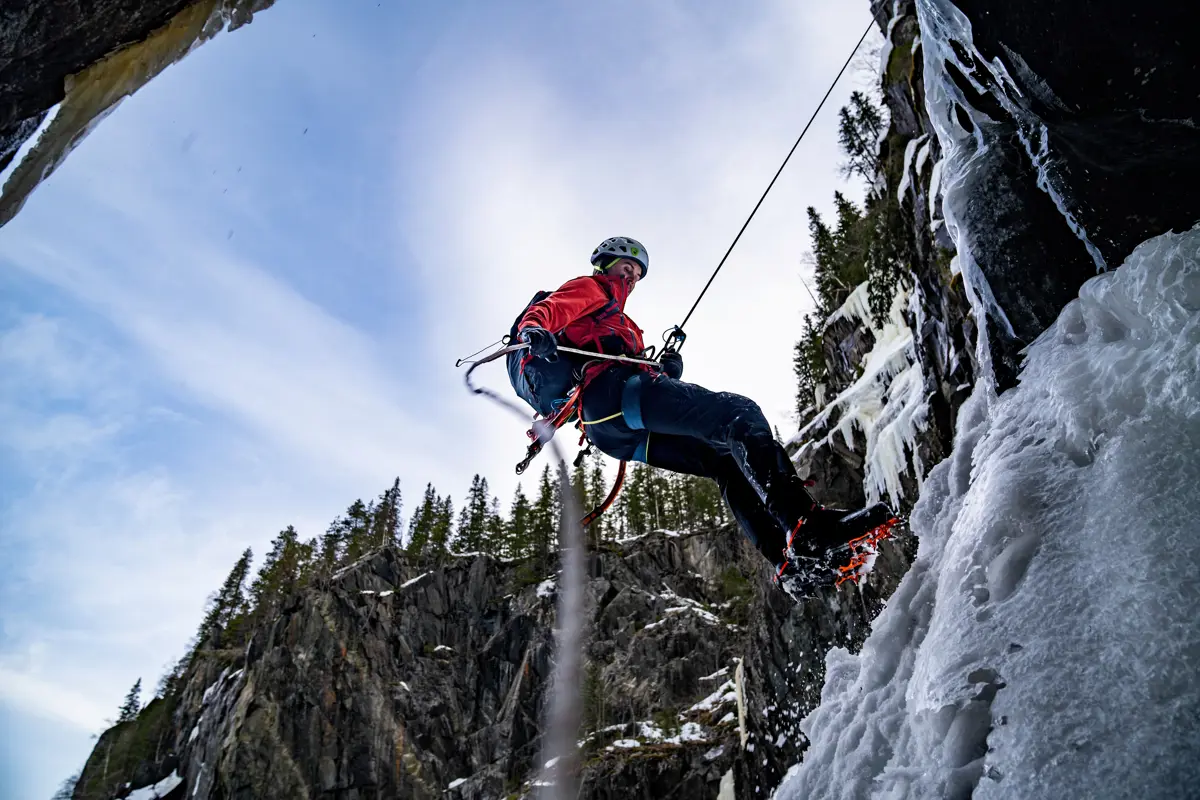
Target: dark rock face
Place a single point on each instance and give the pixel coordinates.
(1083, 122)
(44, 41)
(1087, 141)
(405, 679)
(1115, 84)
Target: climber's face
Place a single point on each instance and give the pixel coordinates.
(628, 270)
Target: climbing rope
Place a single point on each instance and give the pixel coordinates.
(677, 331)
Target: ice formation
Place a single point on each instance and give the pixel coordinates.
(888, 403)
(1044, 642)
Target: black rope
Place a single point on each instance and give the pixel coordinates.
(467, 359)
(777, 174)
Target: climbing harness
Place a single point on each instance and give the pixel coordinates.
(543, 430)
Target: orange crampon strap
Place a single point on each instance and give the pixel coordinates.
(863, 549)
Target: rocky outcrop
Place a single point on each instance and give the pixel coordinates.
(41, 43)
(401, 678)
(936, 316)
(87, 57)
(1081, 120)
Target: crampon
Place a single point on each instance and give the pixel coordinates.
(863, 550)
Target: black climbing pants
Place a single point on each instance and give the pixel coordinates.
(634, 415)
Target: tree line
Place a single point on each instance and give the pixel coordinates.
(525, 530)
(863, 243)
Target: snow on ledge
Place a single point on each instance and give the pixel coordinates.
(409, 583)
(158, 790)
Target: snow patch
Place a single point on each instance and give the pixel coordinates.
(409, 583)
(690, 732)
(158, 790)
(457, 782)
(546, 588)
(724, 694)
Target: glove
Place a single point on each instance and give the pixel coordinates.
(672, 365)
(541, 343)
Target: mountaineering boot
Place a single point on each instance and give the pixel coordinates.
(828, 547)
(825, 529)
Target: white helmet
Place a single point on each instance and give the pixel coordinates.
(622, 247)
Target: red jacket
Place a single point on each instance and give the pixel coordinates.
(589, 313)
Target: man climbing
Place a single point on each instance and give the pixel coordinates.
(644, 412)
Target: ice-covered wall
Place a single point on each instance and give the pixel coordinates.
(1044, 643)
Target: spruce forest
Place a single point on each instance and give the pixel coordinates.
(526, 530)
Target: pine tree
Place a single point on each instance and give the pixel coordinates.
(808, 364)
(283, 571)
(597, 493)
(331, 546)
(579, 486)
(66, 790)
(496, 537)
(443, 522)
(859, 126)
(225, 616)
(517, 536)
(422, 522)
(356, 530)
(132, 705)
(472, 524)
(171, 682)
(385, 524)
(543, 519)
(635, 508)
(825, 263)
(852, 239)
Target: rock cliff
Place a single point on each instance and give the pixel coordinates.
(399, 677)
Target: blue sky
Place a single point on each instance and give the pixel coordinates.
(238, 303)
